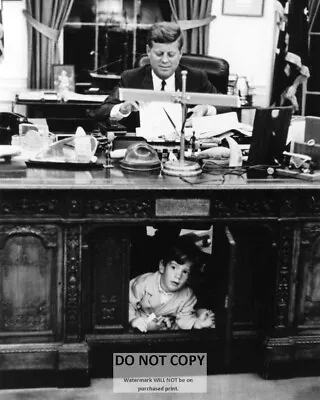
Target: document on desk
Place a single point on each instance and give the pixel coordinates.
(40, 95)
(216, 125)
(160, 120)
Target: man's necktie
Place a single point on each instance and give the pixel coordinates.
(163, 84)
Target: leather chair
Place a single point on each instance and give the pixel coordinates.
(216, 68)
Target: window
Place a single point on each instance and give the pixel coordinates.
(106, 36)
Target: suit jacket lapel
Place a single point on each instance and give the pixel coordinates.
(147, 82)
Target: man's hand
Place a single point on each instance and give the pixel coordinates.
(201, 110)
(128, 106)
(140, 323)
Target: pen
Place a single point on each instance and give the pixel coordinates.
(172, 123)
(189, 113)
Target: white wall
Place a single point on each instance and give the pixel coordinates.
(13, 65)
(246, 42)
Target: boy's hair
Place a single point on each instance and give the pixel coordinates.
(182, 249)
(165, 32)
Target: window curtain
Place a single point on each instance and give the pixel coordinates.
(45, 20)
(291, 63)
(194, 17)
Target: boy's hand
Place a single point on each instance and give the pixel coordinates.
(206, 319)
(159, 323)
(140, 323)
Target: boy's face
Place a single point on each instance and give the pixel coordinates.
(173, 275)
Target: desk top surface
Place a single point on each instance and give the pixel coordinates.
(17, 176)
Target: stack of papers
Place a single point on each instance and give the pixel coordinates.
(218, 125)
(160, 120)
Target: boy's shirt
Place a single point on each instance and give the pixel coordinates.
(146, 297)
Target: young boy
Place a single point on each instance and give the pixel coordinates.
(162, 300)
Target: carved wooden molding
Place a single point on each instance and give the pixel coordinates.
(309, 203)
(288, 204)
(244, 204)
(283, 278)
(47, 233)
(121, 207)
(29, 348)
(291, 341)
(73, 282)
(30, 204)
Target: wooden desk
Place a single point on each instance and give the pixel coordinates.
(65, 257)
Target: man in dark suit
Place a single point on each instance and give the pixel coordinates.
(164, 49)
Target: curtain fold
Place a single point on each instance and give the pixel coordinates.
(46, 19)
(194, 17)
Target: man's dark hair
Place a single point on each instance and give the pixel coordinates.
(182, 249)
(165, 32)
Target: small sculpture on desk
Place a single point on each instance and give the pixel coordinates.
(107, 150)
(63, 85)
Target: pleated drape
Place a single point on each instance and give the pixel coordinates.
(46, 19)
(194, 17)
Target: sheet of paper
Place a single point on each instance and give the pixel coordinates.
(296, 131)
(155, 123)
(215, 125)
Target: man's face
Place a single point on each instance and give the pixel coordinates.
(164, 58)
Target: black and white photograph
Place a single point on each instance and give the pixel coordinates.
(159, 199)
(63, 77)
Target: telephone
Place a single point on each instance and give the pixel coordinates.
(9, 125)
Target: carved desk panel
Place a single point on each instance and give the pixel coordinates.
(66, 254)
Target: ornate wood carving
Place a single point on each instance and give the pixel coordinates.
(27, 267)
(309, 203)
(73, 282)
(244, 204)
(74, 206)
(291, 341)
(14, 203)
(121, 207)
(47, 233)
(288, 204)
(310, 275)
(108, 250)
(283, 277)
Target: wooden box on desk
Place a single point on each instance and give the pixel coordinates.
(305, 149)
(312, 150)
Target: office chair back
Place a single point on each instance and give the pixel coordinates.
(216, 68)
